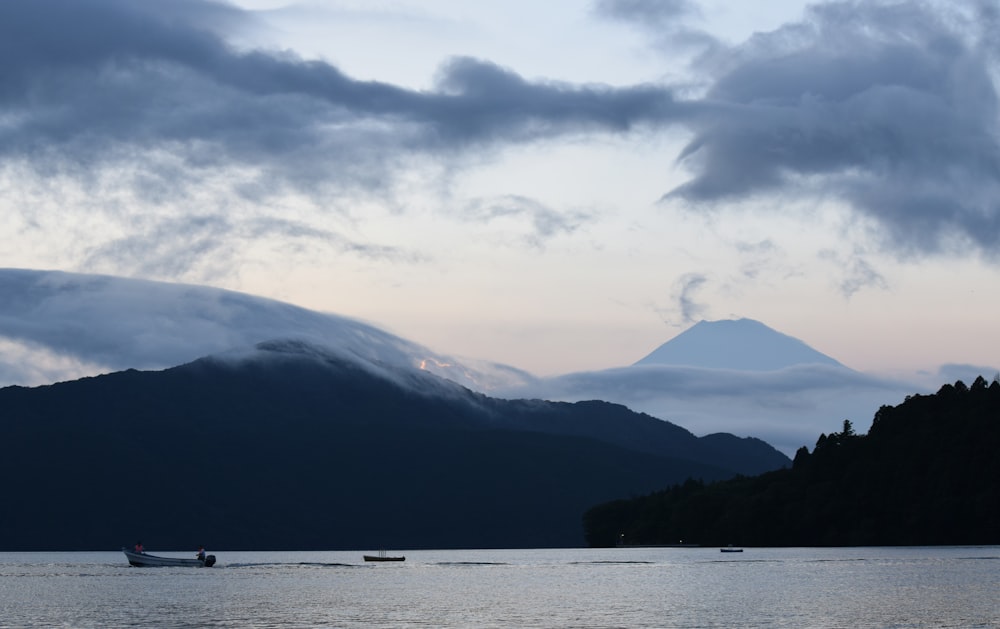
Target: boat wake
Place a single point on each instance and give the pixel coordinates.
(285, 564)
(609, 563)
(471, 563)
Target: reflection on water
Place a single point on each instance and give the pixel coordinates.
(627, 587)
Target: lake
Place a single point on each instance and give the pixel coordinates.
(614, 587)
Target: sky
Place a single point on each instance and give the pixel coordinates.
(558, 186)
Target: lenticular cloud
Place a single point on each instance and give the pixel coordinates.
(58, 325)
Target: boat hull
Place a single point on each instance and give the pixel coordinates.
(383, 558)
(142, 560)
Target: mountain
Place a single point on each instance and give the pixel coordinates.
(291, 445)
(738, 377)
(925, 473)
(742, 344)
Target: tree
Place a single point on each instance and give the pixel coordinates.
(926, 473)
(801, 458)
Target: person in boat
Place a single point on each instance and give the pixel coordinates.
(201, 553)
(139, 549)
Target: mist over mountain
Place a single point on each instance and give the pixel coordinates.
(61, 326)
(293, 445)
(738, 377)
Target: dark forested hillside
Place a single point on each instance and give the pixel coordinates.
(927, 472)
(291, 448)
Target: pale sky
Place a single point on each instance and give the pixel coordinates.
(557, 186)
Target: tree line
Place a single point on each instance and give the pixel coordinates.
(926, 473)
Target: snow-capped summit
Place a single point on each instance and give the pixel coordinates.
(736, 376)
(742, 344)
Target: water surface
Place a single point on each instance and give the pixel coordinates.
(627, 587)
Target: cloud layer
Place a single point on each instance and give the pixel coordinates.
(85, 84)
(56, 326)
(890, 108)
(789, 408)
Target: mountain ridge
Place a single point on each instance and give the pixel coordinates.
(287, 445)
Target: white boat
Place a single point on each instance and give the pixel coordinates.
(146, 561)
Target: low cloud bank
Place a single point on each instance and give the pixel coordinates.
(788, 408)
(60, 326)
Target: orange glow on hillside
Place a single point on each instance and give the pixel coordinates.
(437, 363)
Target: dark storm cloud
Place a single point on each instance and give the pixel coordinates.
(87, 82)
(150, 96)
(889, 106)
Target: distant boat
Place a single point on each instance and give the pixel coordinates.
(148, 561)
(731, 549)
(381, 556)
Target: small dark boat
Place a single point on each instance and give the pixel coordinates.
(148, 561)
(381, 556)
(731, 549)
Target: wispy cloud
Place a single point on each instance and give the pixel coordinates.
(690, 310)
(667, 22)
(683, 308)
(543, 222)
(952, 372)
(855, 271)
(756, 257)
(172, 246)
(656, 13)
(56, 325)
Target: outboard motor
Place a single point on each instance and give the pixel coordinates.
(209, 561)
